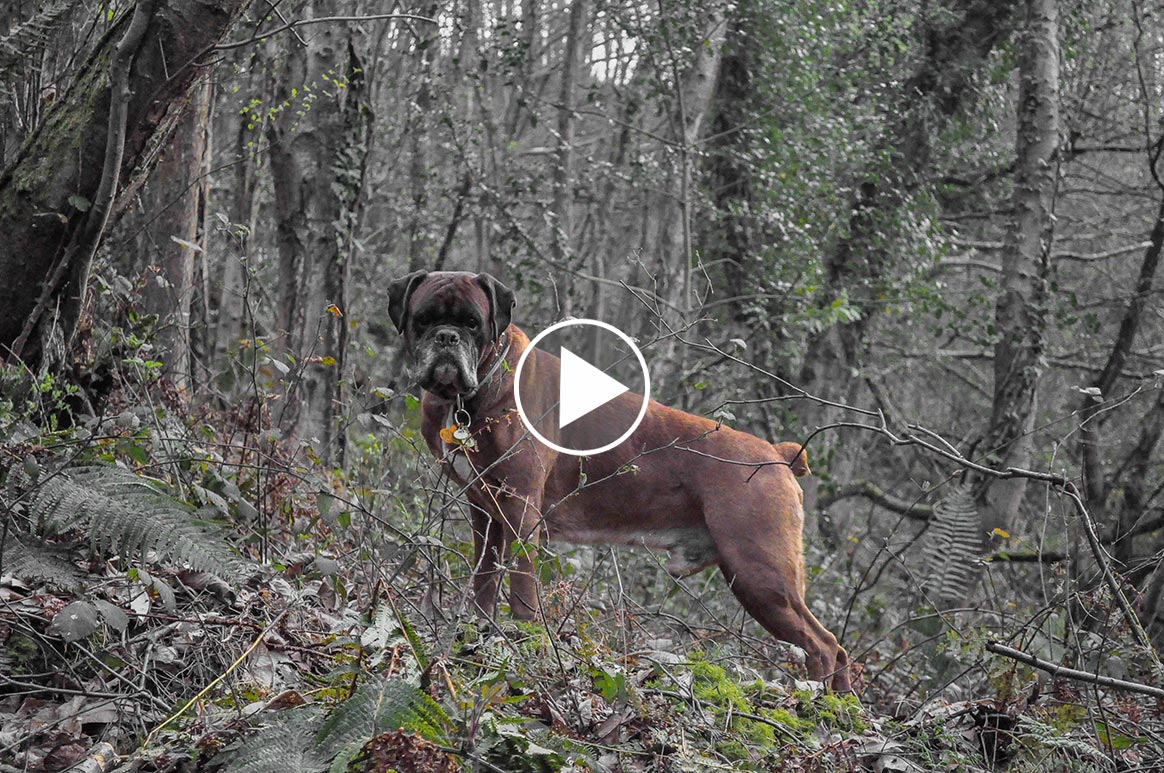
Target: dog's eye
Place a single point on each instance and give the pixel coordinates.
(472, 324)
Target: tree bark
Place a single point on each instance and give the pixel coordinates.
(173, 238)
(50, 212)
(421, 242)
(235, 236)
(318, 155)
(1021, 313)
(668, 225)
(563, 206)
(1132, 477)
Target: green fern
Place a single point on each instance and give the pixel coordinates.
(299, 742)
(953, 546)
(283, 746)
(34, 563)
(130, 514)
(380, 705)
(1046, 738)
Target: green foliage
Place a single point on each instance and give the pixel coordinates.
(726, 698)
(1046, 743)
(129, 514)
(32, 403)
(513, 746)
(306, 740)
(380, 705)
(283, 746)
(836, 712)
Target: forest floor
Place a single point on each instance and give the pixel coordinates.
(337, 637)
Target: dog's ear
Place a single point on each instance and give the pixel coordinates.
(501, 303)
(399, 292)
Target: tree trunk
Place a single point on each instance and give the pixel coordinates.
(1021, 314)
(563, 206)
(421, 243)
(318, 155)
(668, 227)
(172, 240)
(1096, 485)
(90, 154)
(959, 36)
(235, 233)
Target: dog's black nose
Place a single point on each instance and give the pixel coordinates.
(448, 338)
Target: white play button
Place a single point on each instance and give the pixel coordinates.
(584, 388)
(581, 387)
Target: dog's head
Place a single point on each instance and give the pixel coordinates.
(448, 320)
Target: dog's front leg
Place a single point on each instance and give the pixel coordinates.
(506, 519)
(523, 526)
(488, 556)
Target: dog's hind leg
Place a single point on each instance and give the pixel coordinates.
(760, 556)
(780, 608)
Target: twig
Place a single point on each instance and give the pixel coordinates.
(875, 494)
(1071, 673)
(735, 712)
(10, 682)
(229, 670)
(1025, 557)
(321, 20)
(1060, 482)
(97, 760)
(1101, 558)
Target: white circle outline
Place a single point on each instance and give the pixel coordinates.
(533, 344)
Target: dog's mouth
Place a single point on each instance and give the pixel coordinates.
(448, 374)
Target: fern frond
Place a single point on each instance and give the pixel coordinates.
(297, 742)
(953, 546)
(380, 705)
(1046, 738)
(18, 45)
(130, 514)
(34, 563)
(283, 746)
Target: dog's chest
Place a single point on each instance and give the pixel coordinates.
(459, 467)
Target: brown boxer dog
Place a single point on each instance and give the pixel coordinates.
(682, 483)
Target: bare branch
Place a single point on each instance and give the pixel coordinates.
(321, 20)
(875, 494)
(1071, 673)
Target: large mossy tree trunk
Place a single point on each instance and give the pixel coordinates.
(53, 206)
(958, 38)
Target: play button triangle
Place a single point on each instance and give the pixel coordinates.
(583, 388)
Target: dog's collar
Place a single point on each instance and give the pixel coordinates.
(498, 361)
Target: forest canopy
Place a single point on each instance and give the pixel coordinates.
(920, 240)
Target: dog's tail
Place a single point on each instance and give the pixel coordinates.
(796, 455)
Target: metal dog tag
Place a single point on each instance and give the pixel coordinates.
(461, 434)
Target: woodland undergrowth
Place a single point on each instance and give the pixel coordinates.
(185, 590)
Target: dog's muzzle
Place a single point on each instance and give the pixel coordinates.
(446, 361)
